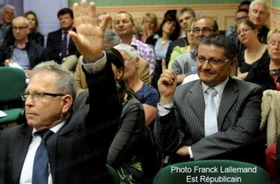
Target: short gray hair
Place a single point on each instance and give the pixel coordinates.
(111, 38)
(261, 2)
(128, 49)
(8, 6)
(65, 81)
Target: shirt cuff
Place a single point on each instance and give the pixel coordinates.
(164, 110)
(190, 152)
(96, 66)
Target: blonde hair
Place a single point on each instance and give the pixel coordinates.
(272, 31)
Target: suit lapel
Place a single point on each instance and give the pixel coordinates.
(196, 100)
(229, 97)
(23, 141)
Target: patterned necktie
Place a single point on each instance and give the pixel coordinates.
(41, 160)
(64, 44)
(210, 118)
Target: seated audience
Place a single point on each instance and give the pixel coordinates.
(7, 15)
(185, 64)
(124, 25)
(168, 31)
(146, 94)
(255, 51)
(242, 12)
(184, 16)
(149, 23)
(110, 39)
(27, 54)
(34, 34)
(60, 45)
(100, 18)
(268, 76)
(258, 14)
(193, 42)
(215, 117)
(239, 15)
(244, 5)
(75, 149)
(125, 151)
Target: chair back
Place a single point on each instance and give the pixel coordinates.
(114, 177)
(12, 84)
(212, 171)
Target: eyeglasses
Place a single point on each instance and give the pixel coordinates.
(39, 96)
(245, 30)
(20, 28)
(211, 61)
(203, 30)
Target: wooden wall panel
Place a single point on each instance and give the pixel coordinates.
(224, 14)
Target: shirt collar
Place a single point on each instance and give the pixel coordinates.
(219, 88)
(54, 129)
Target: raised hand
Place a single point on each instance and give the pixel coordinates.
(166, 85)
(89, 38)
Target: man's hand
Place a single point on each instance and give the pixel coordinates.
(89, 38)
(7, 62)
(183, 151)
(166, 85)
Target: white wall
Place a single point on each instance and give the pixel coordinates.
(46, 12)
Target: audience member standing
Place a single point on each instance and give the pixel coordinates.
(7, 15)
(59, 43)
(34, 34)
(124, 25)
(25, 53)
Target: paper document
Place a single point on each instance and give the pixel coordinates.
(15, 65)
(2, 114)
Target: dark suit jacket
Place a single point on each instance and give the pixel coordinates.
(54, 42)
(35, 52)
(78, 151)
(239, 119)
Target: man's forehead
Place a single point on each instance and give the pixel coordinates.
(185, 14)
(18, 22)
(9, 10)
(259, 7)
(122, 16)
(204, 23)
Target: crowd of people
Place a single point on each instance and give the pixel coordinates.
(109, 94)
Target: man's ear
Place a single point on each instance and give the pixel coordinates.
(137, 62)
(67, 101)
